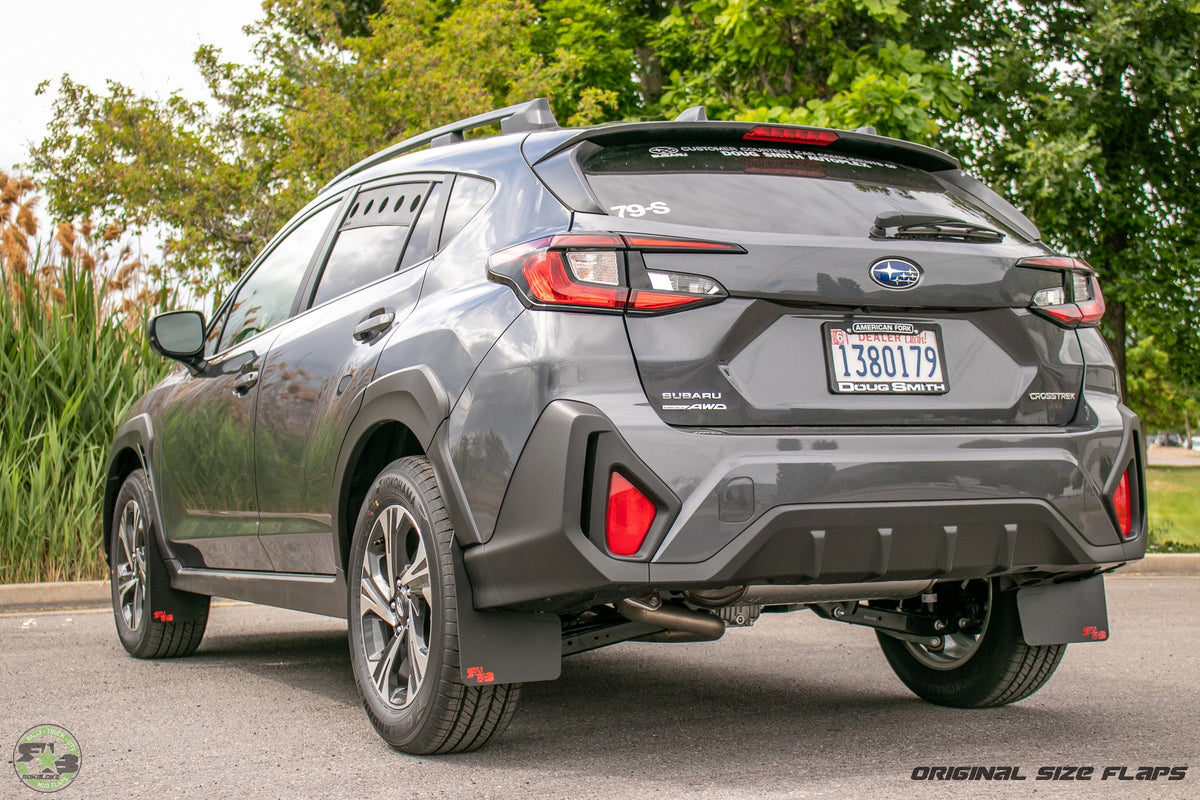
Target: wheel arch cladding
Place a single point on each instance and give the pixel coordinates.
(399, 414)
(379, 445)
(127, 454)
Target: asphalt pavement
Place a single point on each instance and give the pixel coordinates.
(794, 707)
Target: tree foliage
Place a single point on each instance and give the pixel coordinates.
(834, 62)
(334, 81)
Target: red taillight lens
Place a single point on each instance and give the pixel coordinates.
(1122, 502)
(660, 301)
(779, 133)
(1078, 302)
(584, 271)
(628, 517)
(549, 283)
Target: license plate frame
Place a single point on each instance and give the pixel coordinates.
(903, 340)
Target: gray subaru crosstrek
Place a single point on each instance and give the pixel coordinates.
(500, 400)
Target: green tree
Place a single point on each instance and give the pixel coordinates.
(334, 81)
(833, 63)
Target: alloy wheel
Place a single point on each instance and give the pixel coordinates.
(396, 606)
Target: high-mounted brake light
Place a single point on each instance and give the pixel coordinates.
(1122, 501)
(1078, 302)
(779, 133)
(585, 271)
(628, 516)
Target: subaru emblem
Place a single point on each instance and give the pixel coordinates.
(895, 273)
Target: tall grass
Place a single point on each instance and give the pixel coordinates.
(72, 359)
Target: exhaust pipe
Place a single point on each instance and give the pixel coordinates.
(678, 624)
(776, 595)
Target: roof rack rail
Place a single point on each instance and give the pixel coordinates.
(533, 115)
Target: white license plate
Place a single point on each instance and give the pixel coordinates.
(867, 357)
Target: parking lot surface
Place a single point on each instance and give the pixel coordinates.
(794, 707)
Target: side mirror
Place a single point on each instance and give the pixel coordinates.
(178, 335)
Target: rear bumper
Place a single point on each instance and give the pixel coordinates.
(808, 507)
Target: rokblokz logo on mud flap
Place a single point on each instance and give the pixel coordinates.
(47, 758)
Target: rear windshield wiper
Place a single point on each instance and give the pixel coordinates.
(932, 226)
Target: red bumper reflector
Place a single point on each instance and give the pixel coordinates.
(1123, 506)
(628, 518)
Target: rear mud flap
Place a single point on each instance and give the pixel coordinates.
(1062, 613)
(503, 646)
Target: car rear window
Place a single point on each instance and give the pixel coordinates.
(774, 189)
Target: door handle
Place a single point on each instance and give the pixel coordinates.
(245, 382)
(372, 326)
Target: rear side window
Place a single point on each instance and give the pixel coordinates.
(371, 238)
(773, 189)
(468, 196)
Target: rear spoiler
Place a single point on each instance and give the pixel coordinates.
(857, 143)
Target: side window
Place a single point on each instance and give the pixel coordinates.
(468, 196)
(423, 242)
(371, 238)
(265, 299)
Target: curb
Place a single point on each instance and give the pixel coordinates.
(70, 594)
(66, 594)
(1164, 564)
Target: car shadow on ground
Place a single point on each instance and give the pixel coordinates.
(691, 712)
(312, 661)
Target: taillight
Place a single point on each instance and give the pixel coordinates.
(1078, 302)
(587, 271)
(628, 516)
(1122, 502)
(780, 133)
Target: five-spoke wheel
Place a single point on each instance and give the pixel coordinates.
(396, 606)
(129, 564)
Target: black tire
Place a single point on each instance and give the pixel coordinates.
(994, 668)
(153, 620)
(404, 613)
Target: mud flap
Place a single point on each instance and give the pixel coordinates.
(503, 646)
(165, 606)
(1062, 613)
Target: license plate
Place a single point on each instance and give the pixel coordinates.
(867, 357)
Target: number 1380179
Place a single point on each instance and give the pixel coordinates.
(884, 361)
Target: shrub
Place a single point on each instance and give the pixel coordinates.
(72, 359)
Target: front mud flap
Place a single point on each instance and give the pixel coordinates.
(1062, 613)
(503, 646)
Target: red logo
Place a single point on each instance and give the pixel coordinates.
(1095, 633)
(163, 616)
(479, 675)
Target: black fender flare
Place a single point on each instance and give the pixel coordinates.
(135, 435)
(413, 397)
